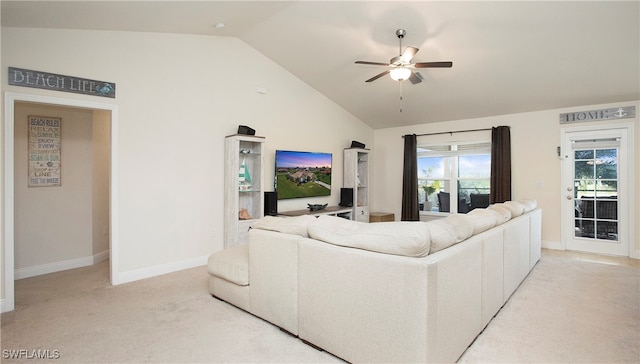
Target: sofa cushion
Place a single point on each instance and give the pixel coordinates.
(296, 225)
(231, 264)
(516, 208)
(394, 237)
(449, 231)
(529, 204)
(483, 219)
(504, 214)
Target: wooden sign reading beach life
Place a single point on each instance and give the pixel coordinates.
(44, 151)
(56, 82)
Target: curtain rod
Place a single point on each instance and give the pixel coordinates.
(451, 132)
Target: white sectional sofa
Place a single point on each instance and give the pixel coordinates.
(403, 292)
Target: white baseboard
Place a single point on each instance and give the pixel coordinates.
(143, 273)
(101, 257)
(554, 245)
(4, 306)
(60, 266)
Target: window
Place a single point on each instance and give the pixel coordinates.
(454, 177)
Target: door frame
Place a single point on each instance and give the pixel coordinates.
(10, 98)
(627, 208)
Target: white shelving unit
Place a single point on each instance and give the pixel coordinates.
(239, 193)
(356, 176)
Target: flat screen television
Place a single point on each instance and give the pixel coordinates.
(302, 174)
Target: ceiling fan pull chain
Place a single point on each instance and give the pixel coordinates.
(400, 97)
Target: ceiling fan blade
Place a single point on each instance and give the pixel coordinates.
(433, 65)
(408, 54)
(415, 78)
(377, 76)
(373, 63)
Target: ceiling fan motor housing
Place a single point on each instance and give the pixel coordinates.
(396, 61)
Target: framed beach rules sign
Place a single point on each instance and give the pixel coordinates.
(44, 151)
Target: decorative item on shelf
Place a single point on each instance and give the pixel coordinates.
(316, 207)
(244, 215)
(245, 130)
(357, 144)
(244, 178)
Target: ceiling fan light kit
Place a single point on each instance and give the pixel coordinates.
(400, 73)
(402, 68)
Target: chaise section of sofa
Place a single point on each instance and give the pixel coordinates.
(262, 277)
(229, 276)
(273, 263)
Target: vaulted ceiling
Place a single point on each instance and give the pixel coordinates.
(508, 56)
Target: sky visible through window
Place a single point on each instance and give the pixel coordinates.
(474, 166)
(470, 166)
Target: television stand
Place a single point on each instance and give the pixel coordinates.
(340, 211)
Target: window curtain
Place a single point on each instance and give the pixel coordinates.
(410, 210)
(500, 164)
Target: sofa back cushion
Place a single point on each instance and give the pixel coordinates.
(296, 225)
(516, 208)
(449, 231)
(529, 204)
(407, 238)
(483, 220)
(503, 213)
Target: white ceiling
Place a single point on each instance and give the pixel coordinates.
(508, 56)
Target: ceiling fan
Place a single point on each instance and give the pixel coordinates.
(401, 67)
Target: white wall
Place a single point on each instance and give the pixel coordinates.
(535, 164)
(2, 198)
(177, 97)
(100, 177)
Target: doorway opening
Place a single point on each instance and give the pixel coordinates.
(107, 111)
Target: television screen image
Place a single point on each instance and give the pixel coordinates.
(302, 174)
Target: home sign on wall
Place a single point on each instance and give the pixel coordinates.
(596, 115)
(56, 82)
(44, 151)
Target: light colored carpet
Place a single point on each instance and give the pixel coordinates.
(565, 311)
(166, 319)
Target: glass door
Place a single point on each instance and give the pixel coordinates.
(596, 193)
(595, 176)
